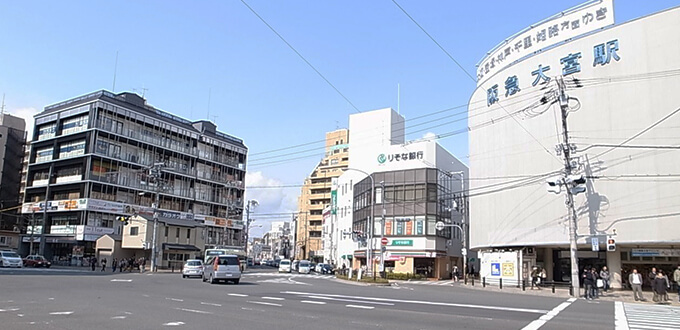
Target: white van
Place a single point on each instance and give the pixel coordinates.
(222, 268)
(284, 266)
(304, 267)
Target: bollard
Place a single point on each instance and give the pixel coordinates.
(500, 284)
(473, 281)
(172, 268)
(484, 282)
(465, 277)
(571, 290)
(524, 285)
(553, 287)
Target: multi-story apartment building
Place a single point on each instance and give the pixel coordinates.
(12, 140)
(315, 195)
(90, 162)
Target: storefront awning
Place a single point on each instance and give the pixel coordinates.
(184, 247)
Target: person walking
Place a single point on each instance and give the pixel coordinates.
(93, 263)
(121, 266)
(534, 278)
(590, 279)
(635, 280)
(544, 276)
(604, 276)
(454, 274)
(659, 286)
(103, 264)
(676, 279)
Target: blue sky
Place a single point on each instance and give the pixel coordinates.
(216, 58)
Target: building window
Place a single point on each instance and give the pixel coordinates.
(166, 231)
(44, 154)
(134, 231)
(72, 149)
(74, 125)
(47, 131)
(177, 233)
(188, 233)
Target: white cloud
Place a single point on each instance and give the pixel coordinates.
(429, 136)
(271, 200)
(27, 115)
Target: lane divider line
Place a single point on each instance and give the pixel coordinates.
(273, 298)
(360, 307)
(237, 294)
(193, 311)
(211, 304)
(265, 303)
(313, 302)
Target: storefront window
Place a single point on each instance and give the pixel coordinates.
(388, 226)
(431, 220)
(420, 225)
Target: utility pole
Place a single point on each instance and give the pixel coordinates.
(566, 150)
(383, 249)
(155, 173)
(250, 203)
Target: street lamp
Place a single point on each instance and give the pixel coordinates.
(369, 223)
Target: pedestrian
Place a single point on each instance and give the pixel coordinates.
(544, 276)
(659, 286)
(676, 278)
(604, 276)
(454, 274)
(596, 287)
(114, 264)
(635, 280)
(534, 278)
(142, 264)
(589, 281)
(652, 276)
(668, 284)
(103, 264)
(122, 265)
(93, 263)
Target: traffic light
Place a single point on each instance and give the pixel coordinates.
(611, 245)
(554, 185)
(124, 220)
(576, 184)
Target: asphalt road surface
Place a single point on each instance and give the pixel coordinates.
(80, 299)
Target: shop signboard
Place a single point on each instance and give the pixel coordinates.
(499, 264)
(655, 253)
(91, 233)
(63, 229)
(402, 242)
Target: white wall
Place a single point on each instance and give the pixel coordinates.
(642, 210)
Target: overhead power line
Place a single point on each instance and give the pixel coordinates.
(300, 55)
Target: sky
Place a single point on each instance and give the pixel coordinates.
(217, 60)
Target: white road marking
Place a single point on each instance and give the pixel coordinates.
(50, 298)
(210, 304)
(620, 320)
(20, 315)
(264, 303)
(273, 298)
(120, 280)
(237, 294)
(434, 303)
(351, 300)
(118, 317)
(175, 299)
(646, 316)
(313, 302)
(538, 323)
(127, 313)
(193, 311)
(9, 310)
(61, 313)
(174, 323)
(360, 307)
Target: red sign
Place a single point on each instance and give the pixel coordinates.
(384, 241)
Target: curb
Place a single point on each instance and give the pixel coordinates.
(360, 283)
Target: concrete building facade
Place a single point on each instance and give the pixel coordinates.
(621, 122)
(90, 162)
(315, 195)
(12, 141)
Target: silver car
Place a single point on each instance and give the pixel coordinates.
(10, 259)
(222, 268)
(192, 267)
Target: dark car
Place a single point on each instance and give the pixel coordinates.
(327, 269)
(36, 261)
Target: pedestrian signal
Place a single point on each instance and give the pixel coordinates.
(611, 245)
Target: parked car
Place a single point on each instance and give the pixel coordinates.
(304, 267)
(312, 266)
(10, 259)
(192, 267)
(284, 266)
(36, 261)
(327, 269)
(222, 268)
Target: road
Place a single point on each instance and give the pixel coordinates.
(80, 299)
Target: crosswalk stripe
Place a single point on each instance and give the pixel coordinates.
(643, 317)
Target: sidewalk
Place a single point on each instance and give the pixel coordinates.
(563, 292)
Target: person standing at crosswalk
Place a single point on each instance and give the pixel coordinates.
(659, 286)
(635, 280)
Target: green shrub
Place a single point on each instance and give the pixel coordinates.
(404, 276)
